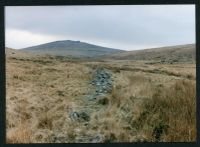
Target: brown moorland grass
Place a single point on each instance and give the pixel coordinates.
(170, 114)
(142, 106)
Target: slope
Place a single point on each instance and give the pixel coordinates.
(71, 48)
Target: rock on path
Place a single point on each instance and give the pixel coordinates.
(102, 81)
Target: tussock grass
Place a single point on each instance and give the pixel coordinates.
(170, 114)
(142, 106)
(21, 134)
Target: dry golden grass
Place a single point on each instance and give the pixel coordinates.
(145, 104)
(43, 95)
(18, 127)
(21, 134)
(170, 114)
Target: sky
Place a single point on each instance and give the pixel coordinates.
(123, 27)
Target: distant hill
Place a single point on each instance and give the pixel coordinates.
(180, 53)
(171, 54)
(71, 48)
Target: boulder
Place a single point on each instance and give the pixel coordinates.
(79, 116)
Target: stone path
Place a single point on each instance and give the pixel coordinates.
(102, 82)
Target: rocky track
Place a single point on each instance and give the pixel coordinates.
(102, 82)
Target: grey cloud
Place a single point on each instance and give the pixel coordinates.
(143, 25)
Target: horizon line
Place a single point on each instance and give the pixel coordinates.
(102, 46)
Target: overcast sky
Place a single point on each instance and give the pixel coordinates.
(121, 27)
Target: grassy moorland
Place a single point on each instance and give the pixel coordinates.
(53, 99)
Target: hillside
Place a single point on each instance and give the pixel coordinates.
(180, 53)
(71, 48)
(18, 53)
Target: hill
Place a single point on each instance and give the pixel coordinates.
(170, 54)
(180, 53)
(71, 48)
